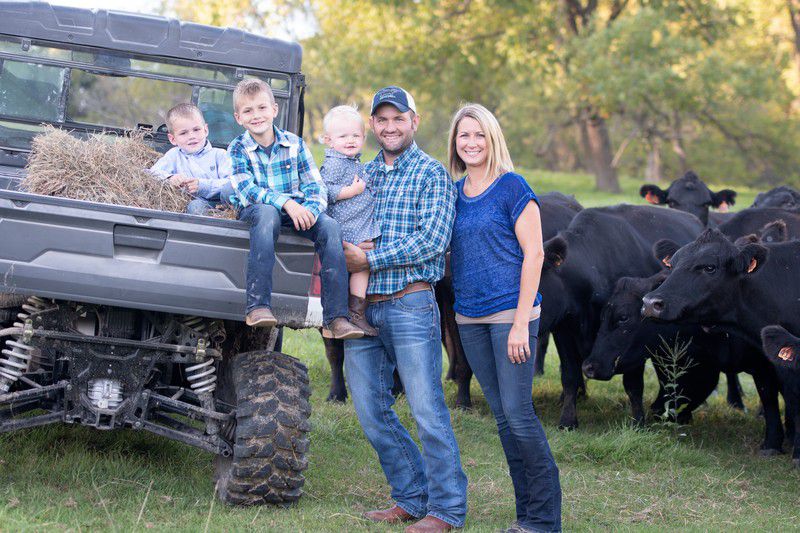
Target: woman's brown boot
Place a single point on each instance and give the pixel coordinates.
(358, 311)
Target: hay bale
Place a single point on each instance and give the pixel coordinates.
(105, 169)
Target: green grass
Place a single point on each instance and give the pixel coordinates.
(706, 476)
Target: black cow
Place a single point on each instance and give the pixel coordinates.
(740, 289)
(783, 350)
(691, 195)
(775, 231)
(582, 265)
(754, 220)
(557, 210)
(783, 197)
(624, 342)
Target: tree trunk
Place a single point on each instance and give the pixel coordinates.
(677, 142)
(653, 173)
(597, 146)
(794, 18)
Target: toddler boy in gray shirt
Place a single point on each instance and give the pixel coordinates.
(350, 200)
(193, 164)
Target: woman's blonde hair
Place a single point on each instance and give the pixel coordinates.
(498, 159)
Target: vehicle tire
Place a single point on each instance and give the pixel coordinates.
(270, 392)
(10, 299)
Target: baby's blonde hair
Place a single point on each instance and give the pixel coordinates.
(498, 160)
(339, 112)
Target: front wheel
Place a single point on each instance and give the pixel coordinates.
(270, 393)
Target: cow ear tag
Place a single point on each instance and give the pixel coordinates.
(652, 198)
(786, 353)
(666, 261)
(752, 266)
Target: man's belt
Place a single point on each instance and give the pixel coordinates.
(417, 286)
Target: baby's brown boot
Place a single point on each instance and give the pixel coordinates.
(358, 310)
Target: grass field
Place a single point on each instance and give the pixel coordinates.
(703, 477)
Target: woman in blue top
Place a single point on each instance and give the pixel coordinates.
(496, 258)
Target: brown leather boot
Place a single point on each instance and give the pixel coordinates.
(429, 524)
(341, 328)
(358, 311)
(393, 515)
(260, 318)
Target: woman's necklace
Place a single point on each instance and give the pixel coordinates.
(477, 186)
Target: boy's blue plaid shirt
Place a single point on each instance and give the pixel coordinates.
(287, 172)
(415, 205)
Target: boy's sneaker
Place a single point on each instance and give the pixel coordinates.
(341, 328)
(260, 318)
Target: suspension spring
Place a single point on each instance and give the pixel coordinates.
(18, 354)
(203, 376)
(196, 323)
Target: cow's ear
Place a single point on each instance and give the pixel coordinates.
(746, 239)
(781, 347)
(775, 231)
(750, 258)
(555, 251)
(664, 250)
(653, 194)
(723, 199)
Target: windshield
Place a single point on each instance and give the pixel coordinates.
(94, 90)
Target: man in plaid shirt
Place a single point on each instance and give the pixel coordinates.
(277, 184)
(415, 207)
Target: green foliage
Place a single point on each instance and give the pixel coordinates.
(672, 358)
(681, 84)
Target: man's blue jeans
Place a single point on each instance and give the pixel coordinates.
(507, 389)
(432, 482)
(265, 227)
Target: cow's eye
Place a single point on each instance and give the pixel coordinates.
(709, 269)
(623, 318)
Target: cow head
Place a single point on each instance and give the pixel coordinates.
(775, 231)
(622, 334)
(704, 279)
(691, 195)
(782, 197)
(551, 285)
(781, 347)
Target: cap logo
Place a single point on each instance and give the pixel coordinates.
(396, 96)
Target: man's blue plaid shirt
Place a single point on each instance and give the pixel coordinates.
(415, 205)
(287, 172)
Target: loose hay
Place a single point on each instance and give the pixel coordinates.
(105, 169)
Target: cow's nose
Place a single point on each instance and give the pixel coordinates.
(652, 307)
(588, 369)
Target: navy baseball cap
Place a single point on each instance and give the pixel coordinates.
(397, 96)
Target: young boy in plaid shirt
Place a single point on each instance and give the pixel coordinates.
(277, 184)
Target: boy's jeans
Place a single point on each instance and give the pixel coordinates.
(265, 226)
(201, 206)
(507, 389)
(432, 483)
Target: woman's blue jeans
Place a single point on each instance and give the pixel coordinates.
(507, 388)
